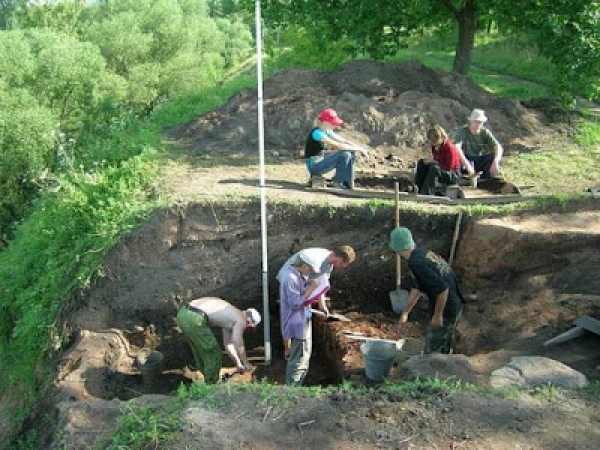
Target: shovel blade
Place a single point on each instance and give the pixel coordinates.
(398, 298)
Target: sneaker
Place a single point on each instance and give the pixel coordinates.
(338, 185)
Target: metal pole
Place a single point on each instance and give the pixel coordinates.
(263, 189)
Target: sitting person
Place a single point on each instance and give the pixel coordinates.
(322, 138)
(443, 168)
(479, 146)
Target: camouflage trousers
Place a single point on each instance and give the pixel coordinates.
(440, 340)
(206, 349)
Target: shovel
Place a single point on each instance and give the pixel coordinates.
(399, 297)
(331, 317)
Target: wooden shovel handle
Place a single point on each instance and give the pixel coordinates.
(397, 224)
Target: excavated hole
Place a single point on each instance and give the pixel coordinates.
(180, 255)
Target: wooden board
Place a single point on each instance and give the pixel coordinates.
(469, 199)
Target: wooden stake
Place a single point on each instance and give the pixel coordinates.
(455, 238)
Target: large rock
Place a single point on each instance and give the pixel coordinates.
(532, 371)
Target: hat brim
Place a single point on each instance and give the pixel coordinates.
(335, 122)
(478, 119)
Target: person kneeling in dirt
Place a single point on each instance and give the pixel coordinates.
(478, 145)
(321, 141)
(325, 261)
(434, 277)
(443, 168)
(195, 320)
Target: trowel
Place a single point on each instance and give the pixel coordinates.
(399, 297)
(331, 317)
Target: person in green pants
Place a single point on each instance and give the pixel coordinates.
(196, 319)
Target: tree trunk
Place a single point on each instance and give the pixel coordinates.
(467, 25)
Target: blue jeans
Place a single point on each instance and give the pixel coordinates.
(482, 163)
(342, 161)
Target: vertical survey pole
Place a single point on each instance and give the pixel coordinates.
(263, 189)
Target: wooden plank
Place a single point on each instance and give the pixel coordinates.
(490, 199)
(384, 194)
(566, 336)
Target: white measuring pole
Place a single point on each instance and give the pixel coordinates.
(263, 189)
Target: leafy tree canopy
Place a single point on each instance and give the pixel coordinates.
(565, 31)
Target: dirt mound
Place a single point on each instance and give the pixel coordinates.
(386, 106)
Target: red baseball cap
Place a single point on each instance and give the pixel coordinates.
(330, 116)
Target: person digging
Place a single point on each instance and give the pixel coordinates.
(434, 277)
(195, 320)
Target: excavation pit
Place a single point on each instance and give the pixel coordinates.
(516, 279)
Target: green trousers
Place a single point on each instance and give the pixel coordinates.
(440, 340)
(206, 349)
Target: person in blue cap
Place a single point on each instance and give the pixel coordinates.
(434, 277)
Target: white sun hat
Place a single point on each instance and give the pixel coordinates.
(478, 115)
(254, 316)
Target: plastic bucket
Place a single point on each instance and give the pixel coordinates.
(150, 365)
(379, 357)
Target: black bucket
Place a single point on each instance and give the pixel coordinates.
(150, 364)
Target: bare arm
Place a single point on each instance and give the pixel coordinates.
(337, 142)
(323, 304)
(233, 341)
(498, 152)
(440, 303)
(464, 161)
(413, 298)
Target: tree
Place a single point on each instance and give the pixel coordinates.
(568, 34)
(379, 27)
(565, 31)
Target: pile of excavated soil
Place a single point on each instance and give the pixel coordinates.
(388, 107)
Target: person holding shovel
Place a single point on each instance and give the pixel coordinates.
(196, 319)
(434, 277)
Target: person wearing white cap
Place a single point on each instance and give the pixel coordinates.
(295, 289)
(196, 319)
(303, 279)
(479, 146)
(326, 150)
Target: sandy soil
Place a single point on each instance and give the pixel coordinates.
(528, 277)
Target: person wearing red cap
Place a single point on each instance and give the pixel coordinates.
(326, 150)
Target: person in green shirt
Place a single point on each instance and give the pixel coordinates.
(479, 146)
